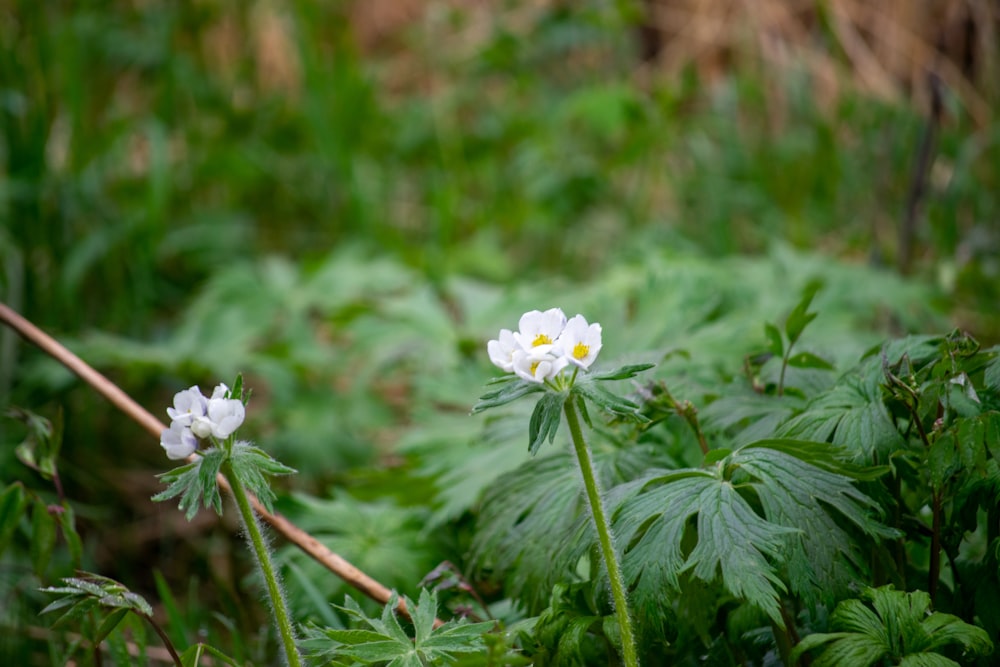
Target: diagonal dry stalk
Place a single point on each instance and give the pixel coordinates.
(309, 544)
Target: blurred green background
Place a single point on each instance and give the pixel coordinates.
(344, 200)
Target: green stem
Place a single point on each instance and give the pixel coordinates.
(263, 555)
(629, 656)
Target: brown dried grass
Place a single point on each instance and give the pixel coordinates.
(883, 48)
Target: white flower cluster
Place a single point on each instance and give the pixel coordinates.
(545, 344)
(194, 416)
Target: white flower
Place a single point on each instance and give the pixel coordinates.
(202, 417)
(502, 351)
(188, 406)
(223, 415)
(580, 342)
(538, 330)
(178, 440)
(538, 364)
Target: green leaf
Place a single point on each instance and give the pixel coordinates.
(610, 402)
(731, 539)
(109, 623)
(623, 373)
(192, 657)
(774, 343)
(808, 360)
(534, 524)
(386, 642)
(852, 414)
(545, 420)
(196, 483)
(43, 537)
(40, 448)
(897, 627)
(67, 525)
(800, 316)
(13, 504)
(823, 559)
(254, 466)
(512, 389)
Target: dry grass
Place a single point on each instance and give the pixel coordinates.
(883, 48)
(886, 49)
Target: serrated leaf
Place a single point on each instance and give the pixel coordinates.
(195, 483)
(534, 524)
(823, 559)
(386, 642)
(423, 616)
(851, 414)
(898, 628)
(731, 539)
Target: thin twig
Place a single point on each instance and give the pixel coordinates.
(309, 544)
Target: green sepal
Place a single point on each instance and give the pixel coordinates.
(237, 390)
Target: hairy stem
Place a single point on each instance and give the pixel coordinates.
(629, 656)
(263, 556)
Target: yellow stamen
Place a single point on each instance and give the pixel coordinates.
(533, 367)
(580, 350)
(541, 339)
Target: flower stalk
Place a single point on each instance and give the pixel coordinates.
(604, 536)
(263, 557)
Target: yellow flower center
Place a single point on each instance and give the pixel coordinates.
(533, 367)
(580, 350)
(541, 339)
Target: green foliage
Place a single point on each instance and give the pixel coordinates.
(897, 627)
(91, 592)
(797, 536)
(196, 482)
(349, 237)
(383, 640)
(386, 541)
